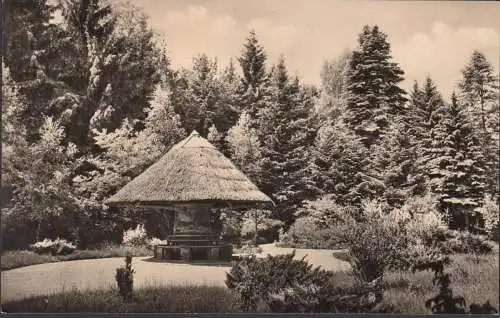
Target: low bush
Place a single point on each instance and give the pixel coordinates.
(15, 259)
(150, 299)
(465, 242)
(155, 241)
(305, 233)
(267, 228)
(381, 239)
(135, 237)
(53, 247)
(248, 249)
(284, 284)
(490, 213)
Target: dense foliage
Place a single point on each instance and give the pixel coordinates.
(90, 100)
(284, 284)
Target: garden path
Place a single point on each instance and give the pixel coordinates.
(44, 279)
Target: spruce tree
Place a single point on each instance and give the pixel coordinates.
(394, 162)
(479, 91)
(425, 112)
(285, 133)
(374, 98)
(254, 82)
(458, 170)
(340, 164)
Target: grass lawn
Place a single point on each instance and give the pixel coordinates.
(476, 279)
(173, 299)
(16, 259)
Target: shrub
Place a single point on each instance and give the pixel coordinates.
(267, 228)
(465, 242)
(155, 241)
(231, 225)
(325, 211)
(125, 279)
(380, 239)
(284, 284)
(53, 247)
(135, 237)
(490, 214)
(248, 249)
(305, 233)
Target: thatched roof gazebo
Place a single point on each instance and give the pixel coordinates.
(186, 184)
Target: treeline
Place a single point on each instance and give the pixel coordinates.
(90, 101)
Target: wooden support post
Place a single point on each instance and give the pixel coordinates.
(213, 253)
(185, 253)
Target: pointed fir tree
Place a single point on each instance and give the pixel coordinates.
(458, 170)
(340, 166)
(254, 81)
(286, 134)
(479, 90)
(374, 98)
(425, 113)
(394, 162)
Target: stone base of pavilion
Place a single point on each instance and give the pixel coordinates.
(190, 247)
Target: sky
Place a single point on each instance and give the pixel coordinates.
(433, 38)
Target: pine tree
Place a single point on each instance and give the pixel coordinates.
(424, 114)
(458, 172)
(340, 166)
(285, 133)
(479, 91)
(373, 99)
(395, 164)
(228, 109)
(254, 82)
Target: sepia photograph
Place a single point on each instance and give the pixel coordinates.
(268, 156)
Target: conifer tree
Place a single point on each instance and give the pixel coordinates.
(424, 114)
(374, 98)
(254, 82)
(458, 170)
(479, 91)
(340, 166)
(394, 162)
(286, 134)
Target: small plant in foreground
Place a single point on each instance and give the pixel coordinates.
(125, 279)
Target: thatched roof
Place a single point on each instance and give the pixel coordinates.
(192, 171)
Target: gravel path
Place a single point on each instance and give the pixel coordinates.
(99, 273)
